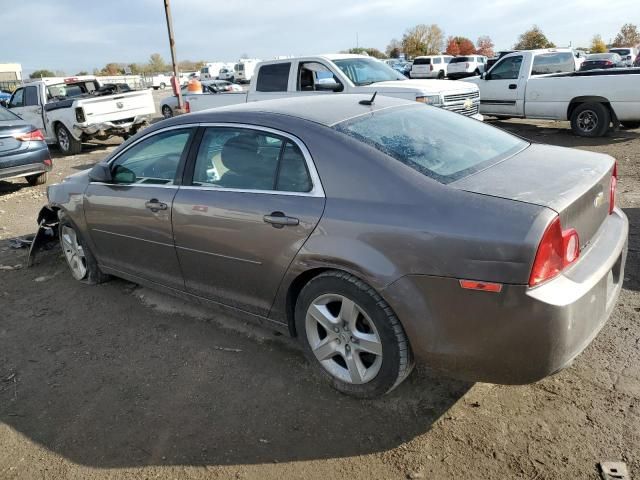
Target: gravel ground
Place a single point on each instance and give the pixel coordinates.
(116, 381)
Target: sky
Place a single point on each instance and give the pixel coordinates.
(74, 35)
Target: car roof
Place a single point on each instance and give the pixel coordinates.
(324, 109)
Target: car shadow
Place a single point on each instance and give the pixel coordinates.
(94, 375)
(632, 268)
(87, 148)
(7, 187)
(540, 132)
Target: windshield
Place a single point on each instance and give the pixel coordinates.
(7, 115)
(365, 71)
(460, 60)
(442, 145)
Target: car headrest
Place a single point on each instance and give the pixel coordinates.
(239, 154)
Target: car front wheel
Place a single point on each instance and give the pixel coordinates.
(351, 335)
(166, 111)
(80, 259)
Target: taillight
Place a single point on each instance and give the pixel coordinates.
(47, 162)
(35, 135)
(612, 188)
(187, 108)
(557, 250)
(608, 62)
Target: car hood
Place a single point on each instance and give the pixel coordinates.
(426, 87)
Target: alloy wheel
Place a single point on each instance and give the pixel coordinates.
(74, 253)
(166, 112)
(587, 121)
(63, 139)
(343, 339)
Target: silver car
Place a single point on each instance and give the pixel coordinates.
(377, 231)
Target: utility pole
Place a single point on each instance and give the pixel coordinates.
(357, 42)
(172, 46)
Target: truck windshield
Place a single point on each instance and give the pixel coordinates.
(442, 145)
(365, 71)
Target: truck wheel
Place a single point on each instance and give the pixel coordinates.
(631, 125)
(67, 144)
(351, 336)
(441, 75)
(40, 179)
(162, 86)
(590, 120)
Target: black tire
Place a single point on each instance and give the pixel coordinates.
(396, 359)
(93, 274)
(477, 72)
(440, 75)
(167, 112)
(631, 125)
(590, 120)
(163, 86)
(67, 144)
(39, 179)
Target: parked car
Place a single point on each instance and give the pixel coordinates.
(327, 75)
(492, 259)
(628, 55)
(519, 86)
(466, 66)
(69, 111)
(602, 60)
(23, 151)
(637, 62)
(227, 74)
(160, 81)
(243, 70)
(169, 104)
(4, 97)
(432, 66)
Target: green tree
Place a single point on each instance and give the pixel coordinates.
(598, 45)
(112, 69)
(533, 39)
(156, 64)
(42, 73)
(82, 72)
(423, 40)
(627, 37)
(372, 52)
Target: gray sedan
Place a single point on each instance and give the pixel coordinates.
(377, 233)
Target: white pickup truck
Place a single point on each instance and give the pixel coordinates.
(342, 74)
(525, 84)
(72, 110)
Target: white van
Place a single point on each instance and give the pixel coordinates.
(628, 54)
(244, 69)
(430, 66)
(210, 71)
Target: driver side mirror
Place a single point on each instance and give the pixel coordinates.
(4, 103)
(485, 76)
(330, 87)
(101, 172)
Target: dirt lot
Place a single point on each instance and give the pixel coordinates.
(116, 381)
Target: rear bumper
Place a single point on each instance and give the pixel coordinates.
(30, 162)
(110, 128)
(433, 74)
(522, 334)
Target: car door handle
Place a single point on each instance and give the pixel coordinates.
(513, 86)
(279, 220)
(154, 205)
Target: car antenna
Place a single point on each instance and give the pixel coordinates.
(370, 101)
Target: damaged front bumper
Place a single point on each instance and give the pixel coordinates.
(106, 129)
(47, 232)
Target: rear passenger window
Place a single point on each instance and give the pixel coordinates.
(244, 159)
(30, 96)
(273, 78)
(437, 60)
(556, 62)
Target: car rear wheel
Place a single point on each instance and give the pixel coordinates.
(590, 120)
(40, 179)
(166, 111)
(351, 335)
(67, 144)
(80, 259)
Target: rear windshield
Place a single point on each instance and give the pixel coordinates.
(67, 90)
(621, 51)
(601, 56)
(442, 145)
(460, 60)
(422, 61)
(7, 115)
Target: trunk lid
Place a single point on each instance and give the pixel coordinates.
(8, 143)
(117, 107)
(574, 183)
